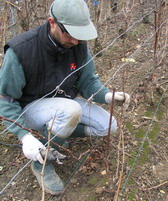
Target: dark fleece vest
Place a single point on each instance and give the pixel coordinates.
(45, 65)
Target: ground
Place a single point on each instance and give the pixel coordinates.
(133, 165)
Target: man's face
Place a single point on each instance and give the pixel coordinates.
(62, 37)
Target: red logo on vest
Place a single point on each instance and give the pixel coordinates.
(72, 66)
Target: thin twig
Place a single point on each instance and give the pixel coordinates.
(19, 8)
(6, 17)
(41, 136)
(154, 187)
(13, 121)
(121, 142)
(119, 185)
(27, 15)
(9, 26)
(118, 157)
(109, 132)
(110, 121)
(45, 159)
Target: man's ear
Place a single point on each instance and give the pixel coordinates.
(51, 22)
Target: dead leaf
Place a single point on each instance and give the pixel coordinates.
(103, 172)
(130, 60)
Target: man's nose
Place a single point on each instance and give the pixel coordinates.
(74, 41)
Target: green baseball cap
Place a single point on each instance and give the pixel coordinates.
(74, 15)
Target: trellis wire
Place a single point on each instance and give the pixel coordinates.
(131, 56)
(29, 161)
(143, 141)
(57, 87)
(105, 47)
(56, 135)
(52, 92)
(12, 21)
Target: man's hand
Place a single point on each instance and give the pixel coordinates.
(31, 147)
(119, 96)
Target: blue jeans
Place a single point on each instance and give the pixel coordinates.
(67, 114)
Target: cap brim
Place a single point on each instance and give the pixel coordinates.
(87, 32)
